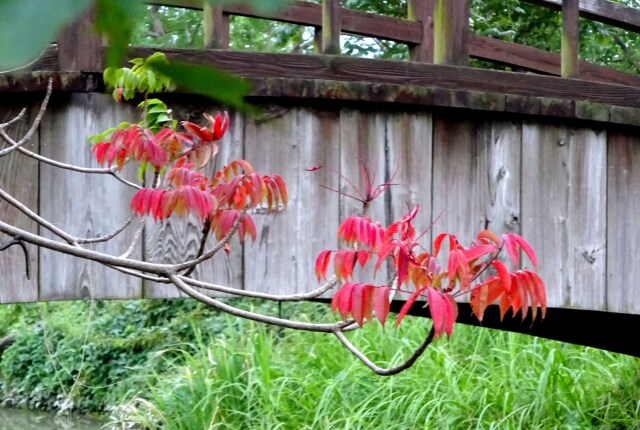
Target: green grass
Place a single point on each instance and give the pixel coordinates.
(252, 377)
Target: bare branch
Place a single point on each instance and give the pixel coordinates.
(136, 237)
(109, 236)
(14, 120)
(297, 325)
(257, 295)
(36, 122)
(392, 370)
(17, 241)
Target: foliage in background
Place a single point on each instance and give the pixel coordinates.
(228, 373)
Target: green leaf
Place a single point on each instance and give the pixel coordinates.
(28, 26)
(215, 84)
(116, 19)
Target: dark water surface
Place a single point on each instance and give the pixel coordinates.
(16, 419)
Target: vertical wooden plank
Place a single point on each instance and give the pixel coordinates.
(331, 26)
(80, 47)
(84, 205)
(216, 27)
(363, 138)
(499, 149)
(451, 32)
(455, 177)
(178, 239)
(19, 177)
(563, 211)
(422, 12)
(623, 230)
(282, 259)
(569, 49)
(410, 153)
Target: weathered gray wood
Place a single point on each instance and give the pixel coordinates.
(422, 12)
(564, 213)
(363, 138)
(409, 146)
(178, 239)
(282, 259)
(623, 230)
(19, 177)
(83, 205)
(499, 149)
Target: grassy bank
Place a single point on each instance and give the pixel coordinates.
(196, 369)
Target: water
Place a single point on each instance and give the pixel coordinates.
(15, 419)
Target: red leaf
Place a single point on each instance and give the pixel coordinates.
(338, 261)
(322, 262)
(363, 257)
(485, 294)
(488, 236)
(451, 314)
(408, 304)
(314, 168)
(357, 303)
(345, 305)
(437, 304)
(381, 303)
(524, 245)
(512, 250)
(348, 264)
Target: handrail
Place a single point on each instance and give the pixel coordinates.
(436, 31)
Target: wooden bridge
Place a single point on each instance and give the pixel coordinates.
(553, 155)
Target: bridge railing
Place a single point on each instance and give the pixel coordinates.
(435, 31)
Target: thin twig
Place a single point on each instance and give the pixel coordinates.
(17, 241)
(206, 228)
(392, 370)
(34, 125)
(134, 240)
(109, 236)
(14, 120)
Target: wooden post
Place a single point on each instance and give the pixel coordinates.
(570, 48)
(422, 12)
(451, 32)
(80, 47)
(331, 26)
(317, 39)
(216, 27)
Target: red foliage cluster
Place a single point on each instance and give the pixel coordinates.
(422, 275)
(221, 199)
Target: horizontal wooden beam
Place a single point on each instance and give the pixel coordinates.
(310, 14)
(538, 60)
(252, 64)
(607, 12)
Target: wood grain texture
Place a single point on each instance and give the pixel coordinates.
(341, 68)
(331, 26)
(541, 61)
(623, 230)
(83, 205)
(363, 139)
(607, 12)
(178, 238)
(409, 147)
(570, 49)
(451, 32)
(215, 27)
(564, 211)
(421, 11)
(310, 14)
(282, 259)
(19, 177)
(80, 47)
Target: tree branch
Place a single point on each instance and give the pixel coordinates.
(392, 370)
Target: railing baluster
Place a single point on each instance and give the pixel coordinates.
(422, 11)
(331, 26)
(569, 51)
(451, 32)
(80, 47)
(216, 27)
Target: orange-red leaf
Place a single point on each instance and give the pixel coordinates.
(504, 274)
